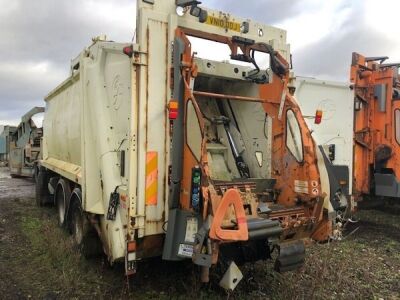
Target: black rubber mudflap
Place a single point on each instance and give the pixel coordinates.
(291, 256)
(42, 191)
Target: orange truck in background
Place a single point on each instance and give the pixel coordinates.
(376, 152)
(360, 129)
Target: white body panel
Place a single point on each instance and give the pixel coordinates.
(87, 125)
(335, 99)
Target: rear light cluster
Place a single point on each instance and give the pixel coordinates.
(318, 117)
(173, 109)
(130, 261)
(128, 50)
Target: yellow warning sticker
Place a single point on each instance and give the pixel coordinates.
(223, 23)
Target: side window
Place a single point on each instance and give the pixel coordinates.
(294, 141)
(193, 131)
(397, 125)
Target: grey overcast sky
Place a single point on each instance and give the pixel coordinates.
(40, 37)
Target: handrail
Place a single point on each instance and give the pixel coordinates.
(230, 97)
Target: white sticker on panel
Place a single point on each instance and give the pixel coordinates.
(301, 186)
(185, 250)
(191, 230)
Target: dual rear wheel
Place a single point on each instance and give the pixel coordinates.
(85, 236)
(42, 191)
(70, 214)
(62, 198)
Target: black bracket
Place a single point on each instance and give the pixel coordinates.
(112, 207)
(199, 258)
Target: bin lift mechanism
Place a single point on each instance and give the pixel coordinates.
(248, 48)
(211, 226)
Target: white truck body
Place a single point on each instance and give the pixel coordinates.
(335, 99)
(86, 129)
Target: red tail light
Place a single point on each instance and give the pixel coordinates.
(128, 50)
(131, 246)
(318, 117)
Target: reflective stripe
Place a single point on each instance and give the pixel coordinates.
(151, 178)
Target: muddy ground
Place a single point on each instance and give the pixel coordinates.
(38, 261)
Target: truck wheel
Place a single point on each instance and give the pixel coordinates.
(42, 192)
(61, 200)
(77, 220)
(84, 235)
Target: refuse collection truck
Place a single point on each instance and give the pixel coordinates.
(358, 129)
(5, 141)
(158, 152)
(376, 87)
(327, 107)
(25, 145)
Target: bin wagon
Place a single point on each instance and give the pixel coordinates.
(376, 87)
(360, 126)
(25, 145)
(328, 110)
(5, 140)
(158, 152)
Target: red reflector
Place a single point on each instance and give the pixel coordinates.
(318, 117)
(131, 246)
(128, 51)
(173, 115)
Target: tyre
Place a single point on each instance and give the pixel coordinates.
(85, 237)
(61, 200)
(42, 191)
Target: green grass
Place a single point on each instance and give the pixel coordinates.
(55, 264)
(40, 259)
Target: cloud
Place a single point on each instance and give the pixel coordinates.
(323, 34)
(330, 56)
(24, 85)
(316, 30)
(57, 30)
(267, 11)
(40, 37)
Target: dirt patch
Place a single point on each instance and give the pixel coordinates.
(38, 261)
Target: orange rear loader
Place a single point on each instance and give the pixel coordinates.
(376, 127)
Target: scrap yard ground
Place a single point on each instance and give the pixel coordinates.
(38, 261)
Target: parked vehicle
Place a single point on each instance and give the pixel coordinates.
(376, 88)
(328, 110)
(5, 139)
(360, 127)
(25, 146)
(159, 152)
